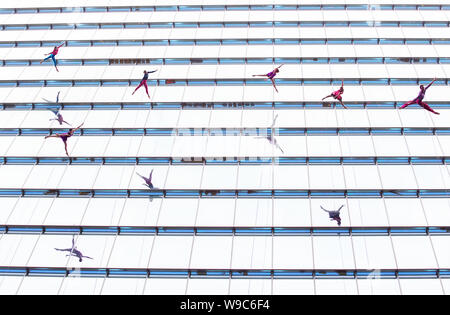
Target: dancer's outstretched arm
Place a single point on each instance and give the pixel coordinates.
(78, 127)
(340, 208)
(144, 178)
(64, 249)
(52, 136)
(324, 209)
(430, 84)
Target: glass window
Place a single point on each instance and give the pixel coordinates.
(166, 286)
(178, 212)
(397, 177)
(216, 212)
(103, 212)
(30, 211)
(119, 286)
(254, 177)
(432, 176)
(10, 284)
(140, 212)
(390, 146)
(414, 252)
(374, 252)
(326, 177)
(293, 286)
(66, 211)
(291, 212)
(13, 176)
(222, 147)
(353, 146)
(26, 146)
(253, 212)
(378, 286)
(79, 286)
(421, 286)
(323, 146)
(40, 285)
(250, 286)
(333, 252)
(440, 246)
(123, 146)
(171, 252)
(436, 211)
(210, 251)
(361, 177)
(290, 252)
(367, 212)
(219, 177)
(156, 146)
(336, 286)
(208, 286)
(126, 249)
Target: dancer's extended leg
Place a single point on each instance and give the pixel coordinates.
(46, 58)
(54, 62)
(408, 103)
(65, 148)
(273, 83)
(140, 84)
(428, 108)
(146, 88)
(340, 101)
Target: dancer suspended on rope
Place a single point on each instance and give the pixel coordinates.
(148, 181)
(74, 251)
(144, 82)
(337, 95)
(65, 136)
(271, 75)
(59, 118)
(419, 99)
(52, 55)
(334, 214)
(271, 137)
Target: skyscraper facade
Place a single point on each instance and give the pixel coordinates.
(212, 172)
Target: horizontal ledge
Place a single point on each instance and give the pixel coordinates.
(225, 160)
(227, 193)
(349, 60)
(241, 82)
(225, 231)
(209, 105)
(257, 132)
(243, 7)
(221, 24)
(228, 273)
